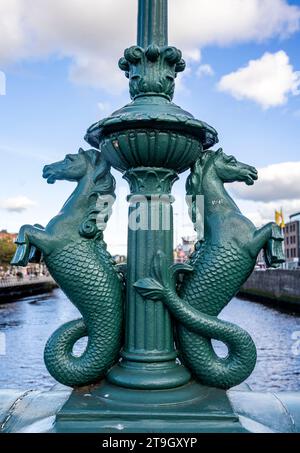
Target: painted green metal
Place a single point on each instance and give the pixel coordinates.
(151, 132)
(108, 408)
(151, 140)
(153, 23)
(148, 356)
(222, 262)
(75, 253)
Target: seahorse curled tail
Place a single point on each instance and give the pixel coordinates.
(197, 329)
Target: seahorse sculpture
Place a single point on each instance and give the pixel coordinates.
(217, 269)
(74, 251)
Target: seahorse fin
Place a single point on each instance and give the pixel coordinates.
(161, 278)
(149, 288)
(160, 270)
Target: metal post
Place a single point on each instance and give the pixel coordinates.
(153, 23)
(149, 357)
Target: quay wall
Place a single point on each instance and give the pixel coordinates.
(14, 289)
(277, 287)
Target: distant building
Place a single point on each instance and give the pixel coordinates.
(292, 242)
(184, 250)
(5, 235)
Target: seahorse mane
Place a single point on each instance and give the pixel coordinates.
(100, 198)
(195, 178)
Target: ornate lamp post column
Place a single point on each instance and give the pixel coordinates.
(152, 140)
(149, 356)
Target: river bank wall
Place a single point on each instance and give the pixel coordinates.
(280, 288)
(13, 288)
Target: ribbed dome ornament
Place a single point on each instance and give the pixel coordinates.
(151, 67)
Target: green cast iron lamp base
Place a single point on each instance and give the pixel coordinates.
(106, 408)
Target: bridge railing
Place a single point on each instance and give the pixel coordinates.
(11, 281)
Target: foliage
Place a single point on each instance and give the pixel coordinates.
(7, 250)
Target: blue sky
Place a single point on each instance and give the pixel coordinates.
(60, 62)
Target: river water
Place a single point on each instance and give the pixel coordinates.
(26, 325)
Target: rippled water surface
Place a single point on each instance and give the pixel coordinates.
(27, 324)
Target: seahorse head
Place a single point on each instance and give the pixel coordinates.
(214, 166)
(217, 164)
(101, 194)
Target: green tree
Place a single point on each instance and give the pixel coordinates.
(7, 250)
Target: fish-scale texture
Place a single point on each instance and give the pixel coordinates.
(218, 274)
(86, 273)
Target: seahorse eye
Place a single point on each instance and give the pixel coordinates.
(232, 160)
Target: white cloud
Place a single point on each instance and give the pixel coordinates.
(205, 70)
(17, 204)
(261, 213)
(268, 81)
(193, 55)
(93, 33)
(98, 73)
(13, 33)
(275, 182)
(195, 23)
(277, 187)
